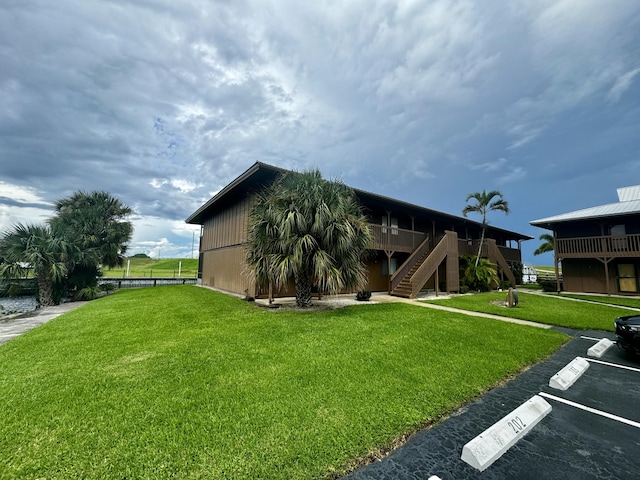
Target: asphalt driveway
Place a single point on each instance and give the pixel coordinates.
(569, 443)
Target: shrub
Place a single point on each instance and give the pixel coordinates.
(363, 295)
(547, 285)
(464, 289)
(107, 287)
(14, 290)
(516, 268)
(505, 285)
(480, 277)
(87, 293)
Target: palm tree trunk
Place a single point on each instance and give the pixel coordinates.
(303, 288)
(480, 246)
(45, 291)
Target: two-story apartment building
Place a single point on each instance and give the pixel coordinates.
(599, 247)
(414, 247)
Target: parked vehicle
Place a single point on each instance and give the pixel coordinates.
(628, 333)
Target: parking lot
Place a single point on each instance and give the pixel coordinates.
(594, 436)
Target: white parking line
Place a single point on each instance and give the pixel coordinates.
(613, 365)
(591, 410)
(590, 338)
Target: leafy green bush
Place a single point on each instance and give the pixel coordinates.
(547, 285)
(363, 295)
(479, 277)
(87, 293)
(14, 290)
(516, 268)
(107, 287)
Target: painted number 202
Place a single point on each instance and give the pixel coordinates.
(516, 424)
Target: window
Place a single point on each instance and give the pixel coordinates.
(394, 225)
(618, 230)
(627, 281)
(620, 243)
(391, 264)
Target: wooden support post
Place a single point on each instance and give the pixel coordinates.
(555, 261)
(389, 254)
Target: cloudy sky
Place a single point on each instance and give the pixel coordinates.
(162, 103)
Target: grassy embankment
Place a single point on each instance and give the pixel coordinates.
(183, 382)
(549, 309)
(148, 267)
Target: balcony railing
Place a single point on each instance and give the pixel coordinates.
(600, 246)
(395, 239)
(471, 248)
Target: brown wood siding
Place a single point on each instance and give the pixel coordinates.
(588, 275)
(225, 269)
(584, 276)
(227, 228)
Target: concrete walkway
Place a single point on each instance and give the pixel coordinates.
(14, 325)
(418, 303)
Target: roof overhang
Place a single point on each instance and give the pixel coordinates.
(261, 174)
(609, 211)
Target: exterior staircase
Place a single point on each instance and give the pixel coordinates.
(412, 276)
(404, 288)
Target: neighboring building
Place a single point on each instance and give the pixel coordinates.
(599, 247)
(529, 273)
(415, 248)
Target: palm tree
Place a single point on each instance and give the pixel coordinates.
(311, 230)
(42, 248)
(97, 222)
(546, 245)
(484, 203)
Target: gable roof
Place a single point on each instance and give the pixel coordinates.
(629, 204)
(261, 174)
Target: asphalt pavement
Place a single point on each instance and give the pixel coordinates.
(570, 443)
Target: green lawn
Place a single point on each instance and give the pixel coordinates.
(183, 382)
(548, 309)
(633, 302)
(148, 267)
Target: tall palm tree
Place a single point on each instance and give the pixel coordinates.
(484, 203)
(311, 230)
(97, 222)
(546, 245)
(42, 248)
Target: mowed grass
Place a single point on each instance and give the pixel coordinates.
(149, 267)
(548, 309)
(183, 382)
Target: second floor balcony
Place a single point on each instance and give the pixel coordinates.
(608, 246)
(395, 239)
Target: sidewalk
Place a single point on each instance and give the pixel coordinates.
(15, 325)
(418, 303)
